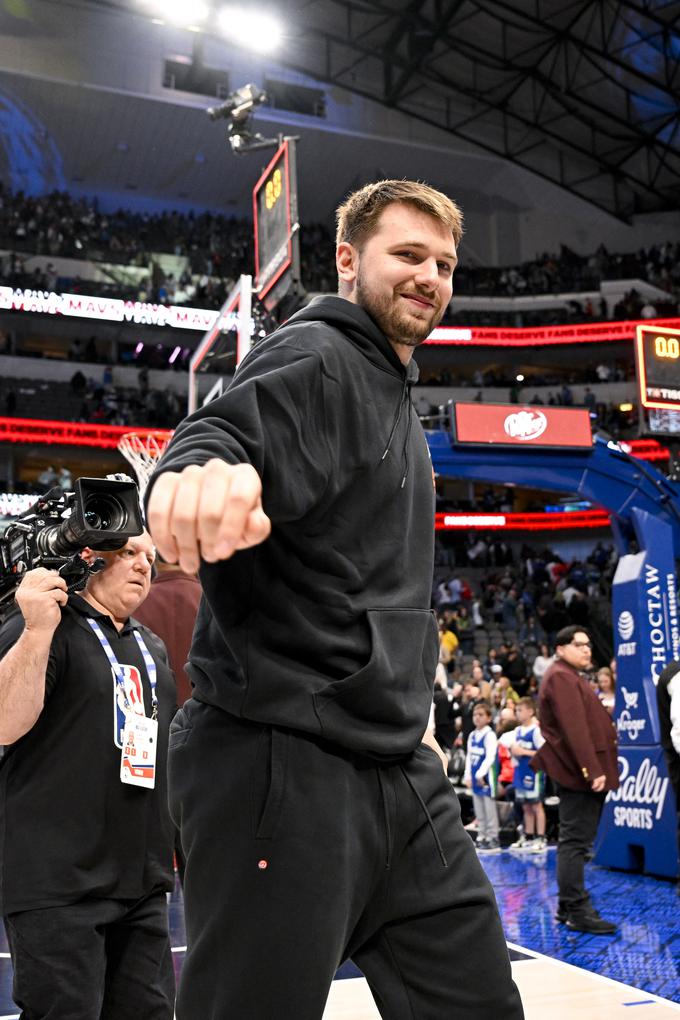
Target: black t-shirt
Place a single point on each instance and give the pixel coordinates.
(69, 829)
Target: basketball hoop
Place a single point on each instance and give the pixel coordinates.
(143, 450)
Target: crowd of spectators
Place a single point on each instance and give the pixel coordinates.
(93, 399)
(103, 403)
(216, 249)
(615, 370)
(631, 306)
(567, 272)
(499, 613)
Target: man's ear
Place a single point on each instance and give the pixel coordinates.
(89, 555)
(347, 261)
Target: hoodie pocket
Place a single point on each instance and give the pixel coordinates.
(394, 689)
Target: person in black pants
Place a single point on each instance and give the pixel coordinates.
(579, 754)
(317, 823)
(85, 855)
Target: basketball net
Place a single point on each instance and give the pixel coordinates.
(143, 450)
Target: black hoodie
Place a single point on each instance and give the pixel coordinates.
(325, 626)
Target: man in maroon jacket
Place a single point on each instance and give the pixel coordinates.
(170, 612)
(579, 754)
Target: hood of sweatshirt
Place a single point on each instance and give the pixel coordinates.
(357, 326)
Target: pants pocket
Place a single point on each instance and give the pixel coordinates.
(269, 782)
(180, 727)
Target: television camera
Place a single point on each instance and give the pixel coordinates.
(100, 513)
(237, 110)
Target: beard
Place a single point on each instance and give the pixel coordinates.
(399, 323)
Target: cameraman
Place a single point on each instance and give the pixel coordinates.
(85, 855)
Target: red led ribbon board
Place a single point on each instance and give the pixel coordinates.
(657, 357)
(560, 521)
(544, 336)
(33, 430)
(566, 428)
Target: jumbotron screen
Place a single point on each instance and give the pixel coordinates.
(657, 353)
(271, 212)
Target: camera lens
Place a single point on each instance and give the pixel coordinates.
(104, 513)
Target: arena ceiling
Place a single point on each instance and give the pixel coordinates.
(585, 93)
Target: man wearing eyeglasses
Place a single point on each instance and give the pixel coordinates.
(579, 754)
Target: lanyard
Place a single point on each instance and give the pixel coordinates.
(115, 665)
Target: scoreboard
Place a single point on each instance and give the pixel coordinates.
(657, 356)
(277, 260)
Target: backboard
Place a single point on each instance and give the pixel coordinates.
(224, 345)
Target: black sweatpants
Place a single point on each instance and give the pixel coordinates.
(579, 814)
(93, 960)
(300, 855)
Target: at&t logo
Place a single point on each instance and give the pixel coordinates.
(626, 625)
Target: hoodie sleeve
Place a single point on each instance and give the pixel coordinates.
(276, 416)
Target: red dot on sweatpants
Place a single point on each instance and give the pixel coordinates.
(262, 865)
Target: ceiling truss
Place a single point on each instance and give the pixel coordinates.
(585, 94)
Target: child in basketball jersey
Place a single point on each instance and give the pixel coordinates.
(481, 775)
(529, 785)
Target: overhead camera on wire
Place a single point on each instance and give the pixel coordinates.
(101, 514)
(238, 110)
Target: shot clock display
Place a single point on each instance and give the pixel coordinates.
(657, 355)
(276, 225)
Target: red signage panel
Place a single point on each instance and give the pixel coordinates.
(527, 425)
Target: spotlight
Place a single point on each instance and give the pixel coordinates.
(251, 29)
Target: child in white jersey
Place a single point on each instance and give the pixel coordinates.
(481, 774)
(524, 741)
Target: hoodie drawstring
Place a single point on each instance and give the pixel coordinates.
(404, 401)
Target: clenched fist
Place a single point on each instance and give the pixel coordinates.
(207, 512)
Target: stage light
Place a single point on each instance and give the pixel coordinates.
(173, 356)
(178, 12)
(625, 407)
(519, 378)
(139, 348)
(251, 29)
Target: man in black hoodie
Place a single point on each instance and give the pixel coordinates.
(316, 823)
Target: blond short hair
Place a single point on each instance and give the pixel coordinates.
(358, 215)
